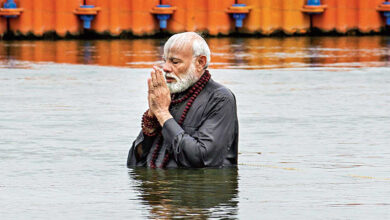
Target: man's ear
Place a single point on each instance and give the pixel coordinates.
(201, 63)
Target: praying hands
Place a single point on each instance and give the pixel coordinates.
(159, 97)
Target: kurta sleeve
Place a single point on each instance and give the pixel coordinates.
(208, 145)
(133, 158)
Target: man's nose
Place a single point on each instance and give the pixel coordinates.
(167, 68)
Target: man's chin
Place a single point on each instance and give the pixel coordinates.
(174, 88)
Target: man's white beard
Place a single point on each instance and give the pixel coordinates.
(185, 82)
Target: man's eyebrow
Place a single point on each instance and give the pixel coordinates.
(170, 58)
(174, 58)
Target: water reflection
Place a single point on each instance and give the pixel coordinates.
(195, 193)
(243, 53)
(87, 51)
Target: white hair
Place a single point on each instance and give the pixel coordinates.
(199, 45)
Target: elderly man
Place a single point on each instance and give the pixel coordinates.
(191, 120)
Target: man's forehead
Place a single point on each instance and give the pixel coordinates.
(177, 52)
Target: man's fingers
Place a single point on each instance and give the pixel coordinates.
(154, 78)
(159, 76)
(150, 85)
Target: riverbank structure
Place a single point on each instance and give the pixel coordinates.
(143, 18)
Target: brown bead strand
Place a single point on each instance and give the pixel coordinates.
(149, 123)
(155, 152)
(193, 92)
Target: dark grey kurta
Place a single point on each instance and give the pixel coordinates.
(208, 137)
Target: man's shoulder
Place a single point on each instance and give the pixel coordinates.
(219, 91)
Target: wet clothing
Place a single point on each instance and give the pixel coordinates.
(207, 138)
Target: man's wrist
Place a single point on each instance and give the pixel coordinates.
(150, 113)
(163, 116)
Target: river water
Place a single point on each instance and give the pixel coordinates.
(314, 131)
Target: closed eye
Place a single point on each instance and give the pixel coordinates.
(175, 60)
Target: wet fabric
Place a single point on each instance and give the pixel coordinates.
(207, 138)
